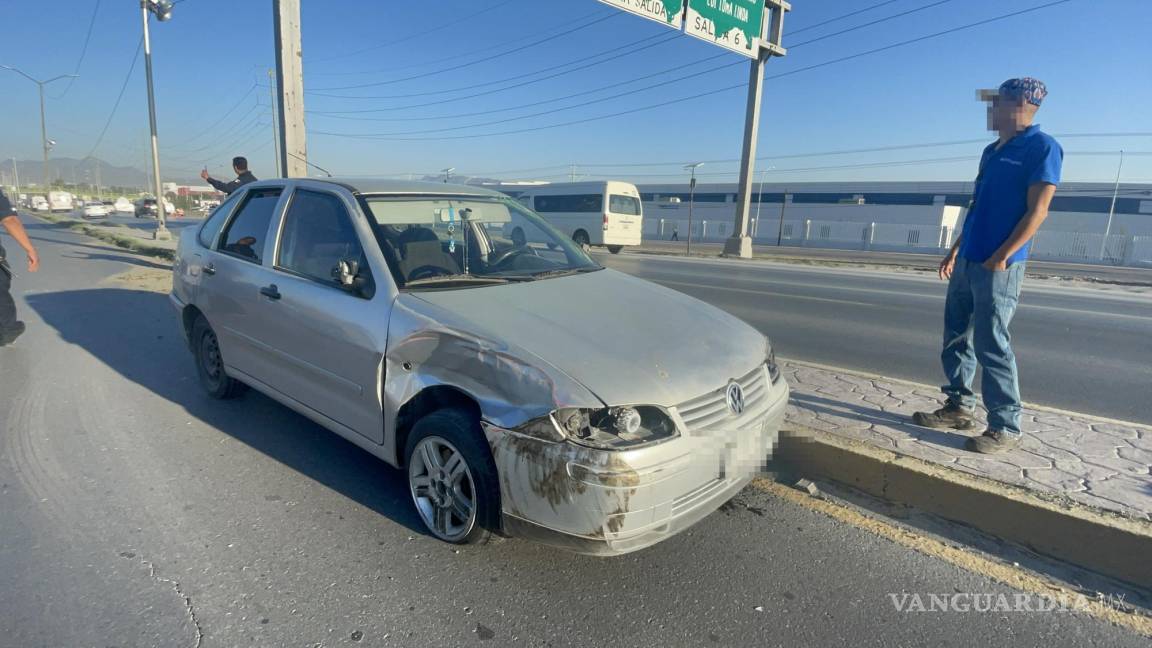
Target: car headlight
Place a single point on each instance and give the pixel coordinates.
(614, 428)
(773, 368)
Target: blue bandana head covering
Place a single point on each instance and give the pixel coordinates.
(1026, 89)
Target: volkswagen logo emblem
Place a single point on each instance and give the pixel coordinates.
(735, 398)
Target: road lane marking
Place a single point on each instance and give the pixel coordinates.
(773, 293)
(966, 559)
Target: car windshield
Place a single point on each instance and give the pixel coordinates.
(468, 241)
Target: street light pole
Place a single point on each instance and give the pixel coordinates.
(691, 198)
(43, 121)
(163, 10)
(16, 177)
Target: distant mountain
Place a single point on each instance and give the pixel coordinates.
(73, 171)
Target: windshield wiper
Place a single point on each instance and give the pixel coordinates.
(559, 272)
(456, 278)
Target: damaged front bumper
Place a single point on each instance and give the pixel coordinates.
(608, 503)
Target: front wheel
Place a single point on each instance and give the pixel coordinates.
(452, 477)
(615, 249)
(210, 363)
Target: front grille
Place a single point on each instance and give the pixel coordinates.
(707, 411)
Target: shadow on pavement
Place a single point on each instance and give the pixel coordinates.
(875, 416)
(137, 334)
(130, 259)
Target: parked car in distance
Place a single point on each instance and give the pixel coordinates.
(39, 203)
(523, 389)
(123, 206)
(95, 210)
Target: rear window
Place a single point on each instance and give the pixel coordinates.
(626, 205)
(569, 203)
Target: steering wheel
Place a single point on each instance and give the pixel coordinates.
(501, 257)
(428, 271)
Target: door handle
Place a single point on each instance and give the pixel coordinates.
(209, 269)
(271, 292)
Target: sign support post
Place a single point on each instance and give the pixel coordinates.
(740, 244)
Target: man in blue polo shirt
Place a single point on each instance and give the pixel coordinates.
(985, 268)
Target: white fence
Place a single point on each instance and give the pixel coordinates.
(895, 237)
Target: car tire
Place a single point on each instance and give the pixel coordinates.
(210, 363)
(446, 437)
(615, 249)
(581, 238)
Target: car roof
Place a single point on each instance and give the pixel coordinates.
(395, 187)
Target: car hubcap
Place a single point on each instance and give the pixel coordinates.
(442, 489)
(210, 352)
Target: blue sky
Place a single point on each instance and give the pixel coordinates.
(213, 57)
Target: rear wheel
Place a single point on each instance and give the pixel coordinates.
(615, 249)
(210, 363)
(581, 238)
(452, 477)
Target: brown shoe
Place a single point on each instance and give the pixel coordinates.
(992, 442)
(950, 416)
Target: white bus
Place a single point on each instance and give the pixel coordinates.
(60, 201)
(604, 213)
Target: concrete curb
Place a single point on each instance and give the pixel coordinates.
(1052, 525)
(108, 234)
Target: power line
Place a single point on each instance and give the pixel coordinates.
(548, 30)
(631, 47)
(415, 35)
(83, 50)
(842, 17)
(394, 137)
(220, 120)
(874, 22)
(116, 105)
(520, 48)
(594, 91)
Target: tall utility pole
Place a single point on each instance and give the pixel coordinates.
(163, 11)
(43, 121)
(290, 88)
(275, 126)
(1112, 209)
(16, 177)
(740, 244)
(691, 198)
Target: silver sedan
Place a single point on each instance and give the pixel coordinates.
(524, 389)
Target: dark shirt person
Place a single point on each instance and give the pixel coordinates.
(243, 176)
(10, 327)
(985, 268)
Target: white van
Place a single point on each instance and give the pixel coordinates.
(604, 213)
(60, 201)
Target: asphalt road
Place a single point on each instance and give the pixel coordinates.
(1080, 349)
(135, 511)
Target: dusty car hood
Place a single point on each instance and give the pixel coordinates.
(627, 340)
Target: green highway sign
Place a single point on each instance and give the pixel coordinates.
(669, 12)
(732, 24)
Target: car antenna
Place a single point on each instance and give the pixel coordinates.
(314, 166)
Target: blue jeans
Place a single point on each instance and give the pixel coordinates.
(977, 313)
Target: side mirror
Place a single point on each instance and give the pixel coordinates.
(345, 272)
